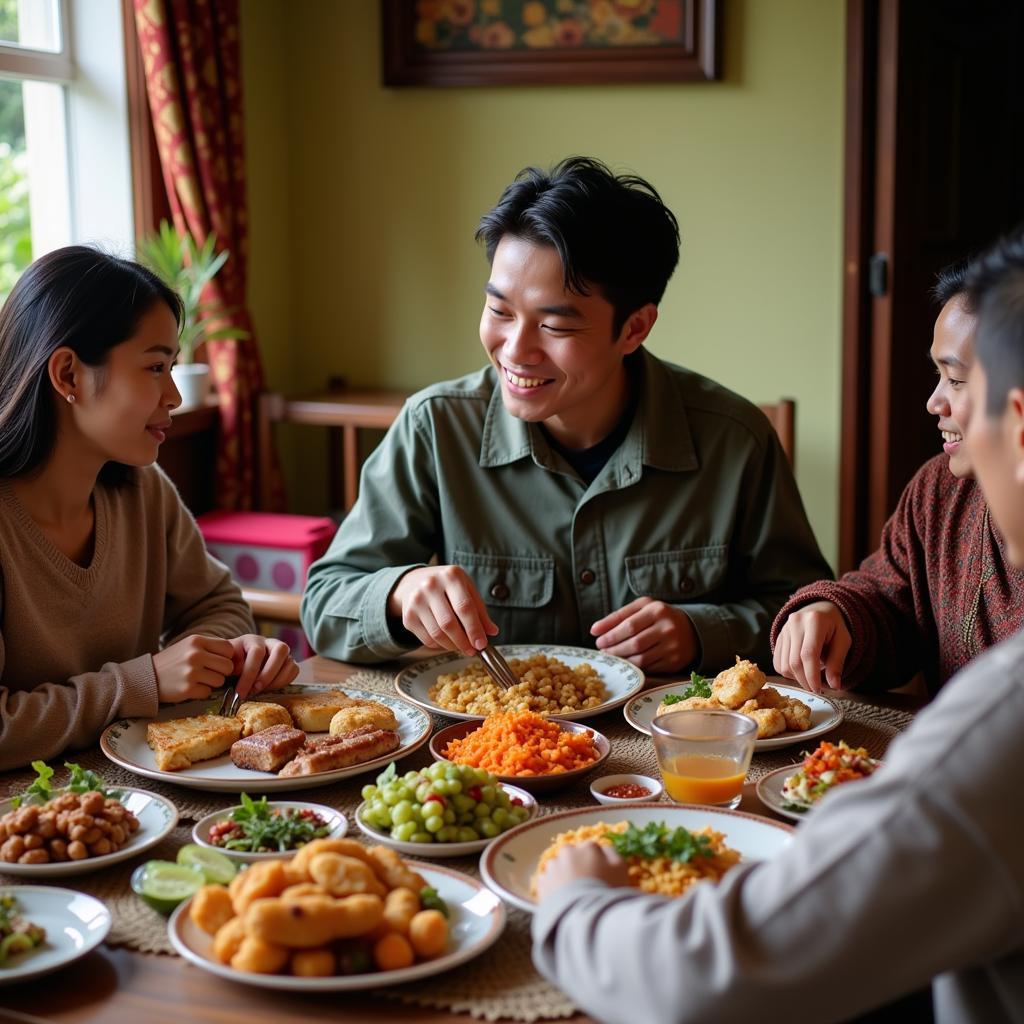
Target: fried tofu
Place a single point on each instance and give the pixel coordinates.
(735, 686)
(181, 742)
(328, 753)
(256, 716)
(269, 749)
(313, 712)
(364, 713)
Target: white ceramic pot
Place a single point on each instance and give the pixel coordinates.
(193, 382)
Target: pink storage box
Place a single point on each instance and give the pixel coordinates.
(270, 552)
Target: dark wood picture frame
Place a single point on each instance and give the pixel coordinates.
(696, 59)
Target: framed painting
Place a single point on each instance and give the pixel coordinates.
(535, 42)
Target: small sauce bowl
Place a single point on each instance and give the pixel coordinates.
(599, 789)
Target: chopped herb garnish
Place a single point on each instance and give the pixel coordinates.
(430, 900)
(255, 827)
(81, 780)
(699, 687)
(655, 839)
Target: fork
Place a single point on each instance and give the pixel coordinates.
(498, 668)
(230, 701)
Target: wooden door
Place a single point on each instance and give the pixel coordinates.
(934, 171)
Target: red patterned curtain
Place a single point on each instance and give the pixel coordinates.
(190, 53)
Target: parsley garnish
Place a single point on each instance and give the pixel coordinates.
(259, 829)
(81, 780)
(699, 687)
(656, 840)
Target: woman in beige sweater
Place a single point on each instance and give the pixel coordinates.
(109, 603)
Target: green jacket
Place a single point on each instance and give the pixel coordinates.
(697, 507)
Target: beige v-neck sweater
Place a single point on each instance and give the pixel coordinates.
(76, 643)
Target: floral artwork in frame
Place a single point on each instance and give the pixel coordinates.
(488, 42)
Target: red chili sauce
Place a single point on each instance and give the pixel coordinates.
(627, 791)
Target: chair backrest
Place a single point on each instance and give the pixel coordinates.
(782, 416)
(348, 409)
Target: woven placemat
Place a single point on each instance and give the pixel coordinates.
(502, 983)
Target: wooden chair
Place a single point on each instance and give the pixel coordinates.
(275, 605)
(782, 416)
(349, 410)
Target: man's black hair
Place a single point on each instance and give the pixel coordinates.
(995, 288)
(612, 232)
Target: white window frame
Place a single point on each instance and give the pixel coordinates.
(80, 185)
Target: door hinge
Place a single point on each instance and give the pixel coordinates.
(878, 274)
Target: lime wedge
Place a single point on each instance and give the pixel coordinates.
(217, 868)
(163, 884)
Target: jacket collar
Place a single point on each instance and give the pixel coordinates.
(659, 436)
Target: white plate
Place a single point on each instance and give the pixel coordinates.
(442, 849)
(769, 791)
(124, 742)
(336, 822)
(75, 925)
(621, 678)
(508, 864)
(826, 714)
(477, 919)
(156, 814)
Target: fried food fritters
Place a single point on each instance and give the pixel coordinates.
(364, 713)
(741, 688)
(257, 715)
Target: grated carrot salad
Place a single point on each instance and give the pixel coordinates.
(523, 743)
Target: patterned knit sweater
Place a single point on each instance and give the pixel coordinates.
(76, 643)
(936, 593)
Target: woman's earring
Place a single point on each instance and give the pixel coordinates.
(71, 398)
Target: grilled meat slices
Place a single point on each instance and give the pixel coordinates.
(328, 753)
(181, 742)
(268, 749)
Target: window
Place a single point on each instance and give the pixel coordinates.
(64, 164)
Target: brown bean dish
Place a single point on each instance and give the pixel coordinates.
(548, 687)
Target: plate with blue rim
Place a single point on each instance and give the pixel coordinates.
(826, 713)
(124, 742)
(622, 679)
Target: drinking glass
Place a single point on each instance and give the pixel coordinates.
(704, 755)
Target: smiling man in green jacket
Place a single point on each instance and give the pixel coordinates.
(578, 489)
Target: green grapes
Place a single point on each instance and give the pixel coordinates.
(443, 803)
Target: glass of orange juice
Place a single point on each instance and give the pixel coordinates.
(704, 755)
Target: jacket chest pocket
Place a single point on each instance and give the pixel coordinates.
(678, 576)
(510, 581)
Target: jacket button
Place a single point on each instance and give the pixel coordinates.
(499, 591)
(588, 576)
(686, 585)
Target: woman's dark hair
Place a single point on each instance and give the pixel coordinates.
(76, 297)
(610, 231)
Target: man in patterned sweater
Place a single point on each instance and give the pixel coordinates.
(939, 589)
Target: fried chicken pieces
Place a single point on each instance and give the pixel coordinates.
(741, 688)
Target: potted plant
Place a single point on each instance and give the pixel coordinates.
(188, 268)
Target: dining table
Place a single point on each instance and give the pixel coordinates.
(135, 977)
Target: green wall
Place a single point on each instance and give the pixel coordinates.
(364, 200)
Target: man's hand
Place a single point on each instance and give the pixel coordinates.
(440, 605)
(815, 639)
(261, 664)
(190, 668)
(649, 633)
(582, 860)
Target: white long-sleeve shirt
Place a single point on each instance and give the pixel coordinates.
(912, 875)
